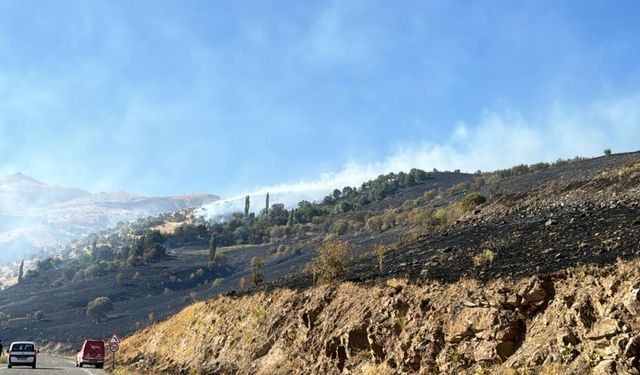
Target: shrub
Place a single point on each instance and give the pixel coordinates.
(256, 271)
(91, 271)
(38, 315)
(374, 223)
(331, 261)
(485, 257)
(472, 200)
(68, 273)
(607, 151)
(339, 227)
(99, 307)
(439, 216)
(153, 253)
(133, 260)
(278, 231)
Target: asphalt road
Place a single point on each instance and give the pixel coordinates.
(51, 365)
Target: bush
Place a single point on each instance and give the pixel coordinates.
(439, 216)
(331, 261)
(472, 200)
(607, 151)
(38, 315)
(339, 227)
(278, 231)
(156, 252)
(99, 307)
(485, 257)
(374, 223)
(91, 271)
(133, 260)
(256, 271)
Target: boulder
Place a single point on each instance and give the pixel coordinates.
(604, 328)
(606, 367)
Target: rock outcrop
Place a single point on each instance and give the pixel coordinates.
(575, 322)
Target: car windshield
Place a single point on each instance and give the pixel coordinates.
(22, 347)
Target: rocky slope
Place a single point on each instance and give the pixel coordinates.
(573, 322)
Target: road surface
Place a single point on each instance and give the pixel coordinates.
(51, 365)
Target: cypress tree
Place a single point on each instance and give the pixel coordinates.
(212, 250)
(247, 204)
(21, 271)
(266, 206)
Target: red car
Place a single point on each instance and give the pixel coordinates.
(92, 353)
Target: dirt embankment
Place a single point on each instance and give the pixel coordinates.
(573, 322)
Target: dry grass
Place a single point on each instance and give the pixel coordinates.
(484, 258)
(394, 283)
(374, 369)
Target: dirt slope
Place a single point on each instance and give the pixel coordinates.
(567, 323)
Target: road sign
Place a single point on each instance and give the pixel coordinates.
(114, 347)
(114, 339)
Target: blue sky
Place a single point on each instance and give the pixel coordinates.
(227, 97)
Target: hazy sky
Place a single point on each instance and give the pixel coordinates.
(165, 97)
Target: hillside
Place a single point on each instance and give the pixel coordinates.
(455, 230)
(540, 278)
(143, 291)
(36, 216)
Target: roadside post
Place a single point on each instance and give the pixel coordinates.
(114, 346)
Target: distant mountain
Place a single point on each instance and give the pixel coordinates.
(35, 215)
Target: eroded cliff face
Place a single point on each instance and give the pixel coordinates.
(581, 320)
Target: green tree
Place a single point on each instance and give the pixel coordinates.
(256, 271)
(212, 250)
(347, 191)
(157, 251)
(331, 261)
(337, 193)
(247, 204)
(99, 307)
(21, 271)
(607, 151)
(266, 205)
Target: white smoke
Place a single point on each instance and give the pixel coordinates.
(499, 140)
